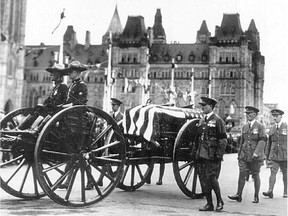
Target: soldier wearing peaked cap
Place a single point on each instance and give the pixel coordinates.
(277, 151)
(251, 153)
(116, 113)
(208, 150)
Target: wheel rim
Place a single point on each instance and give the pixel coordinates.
(73, 139)
(184, 167)
(17, 169)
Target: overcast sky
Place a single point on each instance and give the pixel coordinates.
(181, 20)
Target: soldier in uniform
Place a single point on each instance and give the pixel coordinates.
(208, 152)
(55, 98)
(77, 94)
(41, 113)
(116, 114)
(251, 153)
(277, 151)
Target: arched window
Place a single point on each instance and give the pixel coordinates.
(221, 107)
(232, 108)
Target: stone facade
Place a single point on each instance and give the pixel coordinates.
(13, 18)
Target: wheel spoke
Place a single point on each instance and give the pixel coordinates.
(94, 182)
(18, 168)
(132, 174)
(125, 173)
(25, 177)
(140, 172)
(83, 198)
(71, 182)
(188, 174)
(185, 165)
(35, 180)
(54, 167)
(106, 146)
(12, 161)
(101, 135)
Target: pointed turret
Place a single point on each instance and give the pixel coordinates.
(230, 28)
(203, 34)
(70, 37)
(115, 27)
(252, 35)
(134, 33)
(252, 26)
(159, 35)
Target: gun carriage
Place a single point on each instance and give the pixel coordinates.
(83, 143)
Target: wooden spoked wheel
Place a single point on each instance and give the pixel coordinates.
(137, 169)
(184, 167)
(70, 156)
(17, 170)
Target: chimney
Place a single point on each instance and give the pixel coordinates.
(73, 41)
(87, 40)
(150, 35)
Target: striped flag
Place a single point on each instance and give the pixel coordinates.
(149, 121)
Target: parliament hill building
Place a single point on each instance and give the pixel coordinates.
(228, 66)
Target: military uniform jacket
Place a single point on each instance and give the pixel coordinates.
(77, 94)
(57, 96)
(252, 140)
(212, 139)
(278, 143)
(118, 117)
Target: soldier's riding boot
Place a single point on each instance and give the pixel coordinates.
(217, 191)
(272, 180)
(209, 206)
(27, 122)
(90, 184)
(241, 184)
(256, 178)
(161, 173)
(285, 183)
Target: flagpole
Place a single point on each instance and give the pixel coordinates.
(209, 82)
(192, 87)
(108, 85)
(172, 88)
(146, 91)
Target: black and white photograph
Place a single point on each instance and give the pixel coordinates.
(143, 107)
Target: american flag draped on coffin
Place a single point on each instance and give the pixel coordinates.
(151, 121)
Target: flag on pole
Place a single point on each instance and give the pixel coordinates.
(62, 16)
(174, 65)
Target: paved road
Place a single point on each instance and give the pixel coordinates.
(164, 200)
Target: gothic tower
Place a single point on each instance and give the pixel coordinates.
(115, 27)
(203, 34)
(13, 18)
(159, 35)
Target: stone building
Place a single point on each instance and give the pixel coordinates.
(12, 23)
(227, 66)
